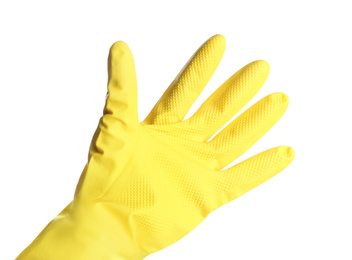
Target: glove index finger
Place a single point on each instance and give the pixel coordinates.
(189, 83)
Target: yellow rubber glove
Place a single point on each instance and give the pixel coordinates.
(148, 184)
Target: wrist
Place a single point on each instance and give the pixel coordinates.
(72, 236)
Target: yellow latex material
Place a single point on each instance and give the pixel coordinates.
(148, 184)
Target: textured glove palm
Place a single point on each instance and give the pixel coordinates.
(148, 184)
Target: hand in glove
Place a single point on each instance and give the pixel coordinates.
(147, 184)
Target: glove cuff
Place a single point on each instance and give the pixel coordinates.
(70, 238)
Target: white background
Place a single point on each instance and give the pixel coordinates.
(53, 57)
